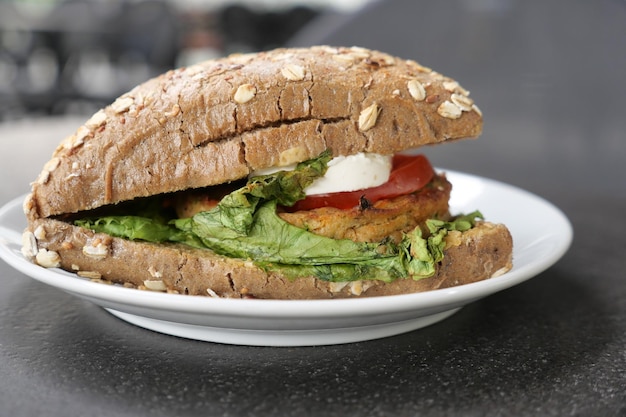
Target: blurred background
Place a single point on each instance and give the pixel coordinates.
(60, 57)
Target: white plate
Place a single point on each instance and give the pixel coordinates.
(541, 235)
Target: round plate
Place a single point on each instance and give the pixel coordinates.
(537, 246)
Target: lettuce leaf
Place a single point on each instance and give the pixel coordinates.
(271, 240)
(245, 225)
(236, 210)
(130, 227)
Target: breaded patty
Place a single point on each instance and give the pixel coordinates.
(385, 218)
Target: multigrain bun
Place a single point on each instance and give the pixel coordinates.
(218, 121)
(480, 253)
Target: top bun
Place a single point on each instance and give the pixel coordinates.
(217, 121)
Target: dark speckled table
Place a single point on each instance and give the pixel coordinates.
(550, 79)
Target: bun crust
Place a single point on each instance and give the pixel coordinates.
(215, 122)
(480, 253)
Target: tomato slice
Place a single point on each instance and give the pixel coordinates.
(409, 173)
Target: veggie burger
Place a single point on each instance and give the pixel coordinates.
(283, 174)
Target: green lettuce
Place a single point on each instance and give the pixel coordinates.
(245, 225)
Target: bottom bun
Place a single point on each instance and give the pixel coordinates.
(480, 253)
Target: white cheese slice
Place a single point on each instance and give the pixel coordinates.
(346, 173)
(351, 173)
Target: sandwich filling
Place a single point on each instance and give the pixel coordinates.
(392, 230)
